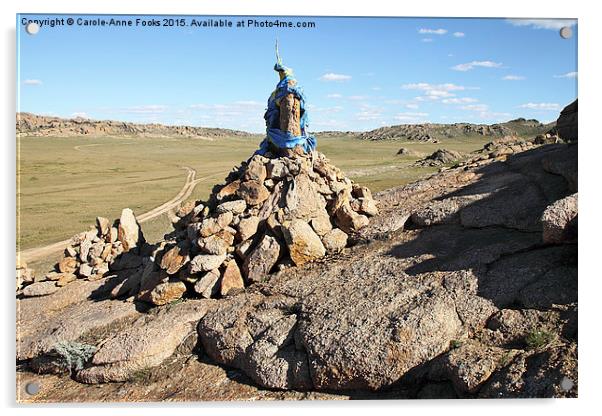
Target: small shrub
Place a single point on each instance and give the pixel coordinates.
(538, 338)
(454, 343)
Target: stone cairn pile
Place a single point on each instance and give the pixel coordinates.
(285, 206)
(272, 213)
(91, 255)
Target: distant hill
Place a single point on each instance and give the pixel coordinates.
(430, 132)
(43, 126)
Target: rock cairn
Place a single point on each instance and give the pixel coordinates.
(270, 214)
(91, 255)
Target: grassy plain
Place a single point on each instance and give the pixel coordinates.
(65, 182)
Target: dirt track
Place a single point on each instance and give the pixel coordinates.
(36, 253)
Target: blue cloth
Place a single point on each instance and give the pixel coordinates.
(279, 138)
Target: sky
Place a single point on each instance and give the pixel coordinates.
(357, 73)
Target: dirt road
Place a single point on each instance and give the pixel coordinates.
(37, 253)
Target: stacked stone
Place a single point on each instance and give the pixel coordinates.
(25, 275)
(91, 254)
(272, 213)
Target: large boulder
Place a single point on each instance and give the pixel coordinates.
(559, 221)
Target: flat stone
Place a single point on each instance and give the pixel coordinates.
(236, 207)
(165, 292)
(40, 289)
(206, 262)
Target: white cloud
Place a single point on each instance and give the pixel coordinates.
(80, 114)
(459, 100)
(552, 24)
(369, 114)
(412, 106)
(433, 91)
(471, 65)
(459, 34)
(424, 31)
(32, 82)
(513, 78)
(331, 76)
(567, 75)
(357, 97)
(376, 88)
(410, 117)
(475, 107)
(334, 96)
(541, 106)
(428, 87)
(427, 40)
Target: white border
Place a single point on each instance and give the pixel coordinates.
(589, 276)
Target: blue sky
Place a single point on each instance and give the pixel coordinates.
(357, 73)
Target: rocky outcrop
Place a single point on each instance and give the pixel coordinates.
(567, 123)
(46, 126)
(440, 157)
(418, 305)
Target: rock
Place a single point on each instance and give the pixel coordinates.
(135, 348)
(70, 251)
(247, 227)
(165, 292)
(214, 244)
(224, 219)
(206, 262)
(335, 240)
(228, 190)
(103, 225)
(209, 226)
(359, 191)
(185, 209)
(174, 259)
(85, 270)
(232, 279)
(559, 221)
(549, 373)
(367, 206)
(276, 169)
(567, 125)
(260, 261)
(129, 232)
(470, 365)
(41, 333)
(207, 285)
(235, 207)
(348, 220)
(303, 199)
(321, 224)
(303, 243)
(440, 157)
(65, 278)
(255, 171)
(40, 289)
(84, 249)
(253, 192)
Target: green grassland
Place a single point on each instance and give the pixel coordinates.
(65, 182)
